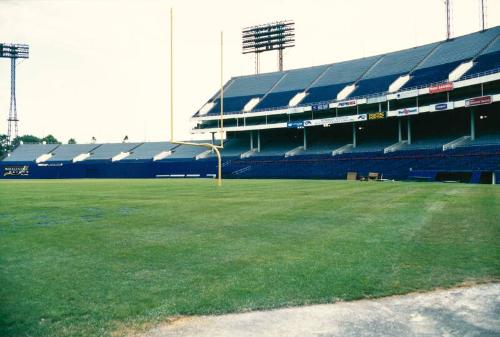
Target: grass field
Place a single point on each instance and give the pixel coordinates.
(98, 257)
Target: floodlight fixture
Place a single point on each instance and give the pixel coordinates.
(271, 36)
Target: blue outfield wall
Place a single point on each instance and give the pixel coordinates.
(401, 165)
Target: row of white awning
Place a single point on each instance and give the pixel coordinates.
(84, 156)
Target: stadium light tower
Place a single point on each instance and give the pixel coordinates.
(272, 36)
(448, 18)
(13, 52)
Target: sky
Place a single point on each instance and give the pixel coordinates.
(102, 68)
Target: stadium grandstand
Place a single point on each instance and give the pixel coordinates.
(427, 113)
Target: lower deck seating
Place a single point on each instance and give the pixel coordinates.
(186, 152)
(482, 140)
(235, 147)
(322, 148)
(148, 151)
(372, 146)
(396, 165)
(30, 152)
(108, 151)
(275, 149)
(67, 152)
(429, 143)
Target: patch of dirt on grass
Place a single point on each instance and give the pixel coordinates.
(144, 329)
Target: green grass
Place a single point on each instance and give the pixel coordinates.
(90, 257)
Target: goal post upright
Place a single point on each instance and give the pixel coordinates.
(222, 89)
(213, 147)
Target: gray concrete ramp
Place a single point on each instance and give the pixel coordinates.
(465, 312)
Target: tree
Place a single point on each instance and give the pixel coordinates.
(4, 146)
(27, 139)
(72, 141)
(50, 140)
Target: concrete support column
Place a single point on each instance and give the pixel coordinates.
(258, 140)
(472, 124)
(251, 140)
(408, 122)
(354, 135)
(305, 139)
(400, 133)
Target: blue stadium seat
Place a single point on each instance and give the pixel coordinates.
(108, 151)
(425, 76)
(66, 152)
(231, 104)
(488, 60)
(292, 83)
(186, 152)
(449, 55)
(29, 152)
(147, 151)
(389, 68)
(323, 94)
(337, 77)
(241, 89)
(374, 85)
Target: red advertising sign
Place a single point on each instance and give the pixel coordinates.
(443, 87)
(478, 101)
(344, 104)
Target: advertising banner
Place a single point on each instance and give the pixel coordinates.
(16, 171)
(322, 106)
(441, 106)
(345, 104)
(295, 125)
(443, 87)
(407, 94)
(478, 101)
(403, 112)
(336, 120)
(376, 115)
(376, 99)
(295, 110)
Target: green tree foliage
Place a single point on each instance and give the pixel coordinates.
(27, 139)
(72, 141)
(50, 140)
(4, 145)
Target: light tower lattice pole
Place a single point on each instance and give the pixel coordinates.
(13, 52)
